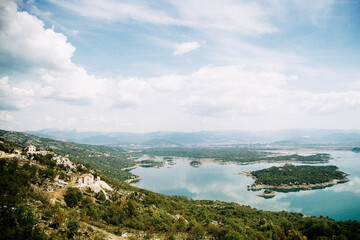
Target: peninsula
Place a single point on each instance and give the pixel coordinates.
(296, 177)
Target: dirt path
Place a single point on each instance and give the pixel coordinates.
(57, 195)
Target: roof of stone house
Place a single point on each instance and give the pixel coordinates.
(29, 146)
(84, 175)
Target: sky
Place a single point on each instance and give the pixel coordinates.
(179, 65)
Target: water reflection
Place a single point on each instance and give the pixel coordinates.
(221, 182)
(352, 186)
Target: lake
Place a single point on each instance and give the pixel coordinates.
(214, 181)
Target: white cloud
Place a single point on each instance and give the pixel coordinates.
(212, 90)
(245, 17)
(13, 98)
(26, 44)
(74, 85)
(185, 47)
(352, 186)
(232, 90)
(355, 84)
(132, 92)
(111, 10)
(5, 117)
(249, 18)
(48, 119)
(240, 16)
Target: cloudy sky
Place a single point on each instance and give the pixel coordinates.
(179, 65)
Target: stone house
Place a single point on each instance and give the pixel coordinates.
(86, 179)
(31, 149)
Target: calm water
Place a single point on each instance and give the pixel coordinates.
(220, 182)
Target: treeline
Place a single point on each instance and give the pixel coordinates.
(222, 154)
(315, 158)
(297, 175)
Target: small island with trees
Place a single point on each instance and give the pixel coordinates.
(195, 163)
(267, 194)
(296, 177)
(356, 149)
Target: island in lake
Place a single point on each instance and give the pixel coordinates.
(267, 194)
(296, 177)
(356, 149)
(195, 163)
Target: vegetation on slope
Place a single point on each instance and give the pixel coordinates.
(108, 160)
(27, 211)
(291, 175)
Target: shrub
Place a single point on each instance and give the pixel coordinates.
(72, 227)
(101, 196)
(72, 197)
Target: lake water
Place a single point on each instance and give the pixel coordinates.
(220, 182)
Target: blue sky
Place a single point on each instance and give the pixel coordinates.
(179, 65)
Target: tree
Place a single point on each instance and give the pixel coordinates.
(233, 236)
(72, 197)
(72, 227)
(101, 196)
(197, 232)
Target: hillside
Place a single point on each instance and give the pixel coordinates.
(33, 205)
(108, 160)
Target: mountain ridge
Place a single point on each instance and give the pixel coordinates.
(284, 137)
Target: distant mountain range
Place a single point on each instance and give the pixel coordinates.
(281, 137)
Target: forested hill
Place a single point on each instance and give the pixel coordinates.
(33, 205)
(108, 160)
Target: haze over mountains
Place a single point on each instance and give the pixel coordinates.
(280, 137)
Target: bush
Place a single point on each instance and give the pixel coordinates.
(72, 227)
(197, 232)
(232, 236)
(72, 197)
(101, 196)
(19, 223)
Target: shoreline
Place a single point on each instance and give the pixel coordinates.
(130, 168)
(131, 180)
(141, 165)
(254, 186)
